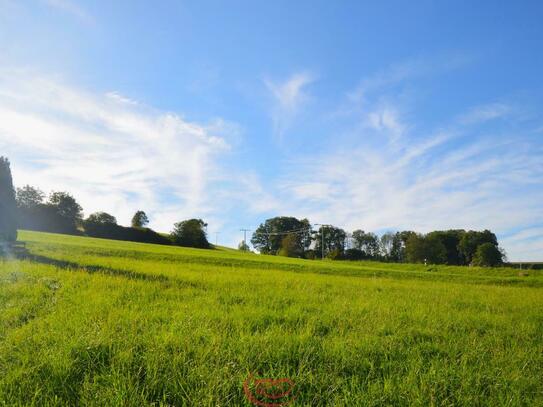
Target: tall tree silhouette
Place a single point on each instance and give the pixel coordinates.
(8, 206)
(140, 220)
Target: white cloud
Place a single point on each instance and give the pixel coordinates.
(485, 113)
(289, 97)
(117, 97)
(410, 69)
(386, 120)
(111, 153)
(525, 245)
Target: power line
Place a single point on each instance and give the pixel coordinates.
(304, 230)
(245, 234)
(288, 232)
(322, 235)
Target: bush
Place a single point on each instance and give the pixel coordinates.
(310, 254)
(354, 254)
(335, 254)
(244, 247)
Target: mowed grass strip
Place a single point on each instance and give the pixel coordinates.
(97, 322)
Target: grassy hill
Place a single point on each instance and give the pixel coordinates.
(97, 322)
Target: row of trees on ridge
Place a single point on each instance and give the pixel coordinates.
(288, 236)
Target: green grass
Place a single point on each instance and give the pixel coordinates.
(96, 322)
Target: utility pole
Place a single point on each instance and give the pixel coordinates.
(322, 235)
(245, 234)
(217, 238)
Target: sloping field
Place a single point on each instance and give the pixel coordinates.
(97, 322)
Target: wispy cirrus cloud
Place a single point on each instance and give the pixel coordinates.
(485, 113)
(289, 97)
(447, 179)
(407, 70)
(112, 153)
(387, 170)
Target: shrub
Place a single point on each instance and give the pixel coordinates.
(244, 247)
(110, 230)
(335, 254)
(354, 254)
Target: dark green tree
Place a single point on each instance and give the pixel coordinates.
(35, 214)
(334, 241)
(488, 255)
(69, 213)
(425, 249)
(471, 240)
(29, 197)
(268, 237)
(399, 242)
(290, 246)
(140, 220)
(190, 233)
(32, 212)
(367, 242)
(8, 206)
(450, 239)
(102, 218)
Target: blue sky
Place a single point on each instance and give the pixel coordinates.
(381, 116)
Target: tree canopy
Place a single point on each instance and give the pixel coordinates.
(472, 239)
(68, 211)
(425, 249)
(368, 243)
(190, 233)
(140, 220)
(488, 255)
(268, 237)
(290, 246)
(29, 197)
(8, 206)
(334, 241)
(102, 217)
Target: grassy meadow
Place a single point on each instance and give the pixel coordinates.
(97, 322)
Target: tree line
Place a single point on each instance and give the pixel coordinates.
(292, 237)
(59, 212)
